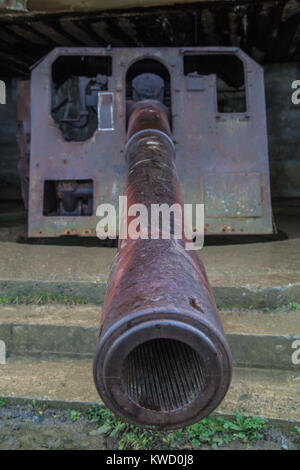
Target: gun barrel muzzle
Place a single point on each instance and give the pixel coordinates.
(162, 360)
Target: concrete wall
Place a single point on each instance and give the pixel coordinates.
(58, 6)
(8, 144)
(283, 129)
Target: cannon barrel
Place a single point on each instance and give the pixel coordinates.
(162, 360)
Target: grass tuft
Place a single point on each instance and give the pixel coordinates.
(75, 415)
(293, 306)
(214, 431)
(41, 299)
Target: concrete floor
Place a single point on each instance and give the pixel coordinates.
(275, 263)
(279, 322)
(256, 265)
(269, 393)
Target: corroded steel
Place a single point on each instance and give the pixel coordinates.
(162, 360)
(221, 157)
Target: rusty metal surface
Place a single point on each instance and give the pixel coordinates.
(23, 136)
(221, 158)
(162, 359)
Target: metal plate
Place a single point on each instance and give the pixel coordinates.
(228, 146)
(243, 195)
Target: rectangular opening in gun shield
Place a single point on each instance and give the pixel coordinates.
(68, 198)
(76, 82)
(230, 79)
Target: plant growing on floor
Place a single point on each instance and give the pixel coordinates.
(75, 415)
(214, 431)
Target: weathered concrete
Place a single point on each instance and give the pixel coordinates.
(88, 291)
(274, 352)
(257, 339)
(252, 265)
(283, 322)
(254, 275)
(9, 174)
(59, 6)
(265, 351)
(60, 379)
(265, 393)
(47, 340)
(271, 322)
(51, 314)
(94, 292)
(274, 394)
(283, 129)
(55, 263)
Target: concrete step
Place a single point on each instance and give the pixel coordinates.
(269, 393)
(253, 275)
(257, 338)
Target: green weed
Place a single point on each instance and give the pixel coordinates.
(75, 415)
(41, 299)
(293, 306)
(214, 431)
(38, 407)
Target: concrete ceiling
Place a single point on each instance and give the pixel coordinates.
(268, 30)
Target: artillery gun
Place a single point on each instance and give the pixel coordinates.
(170, 125)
